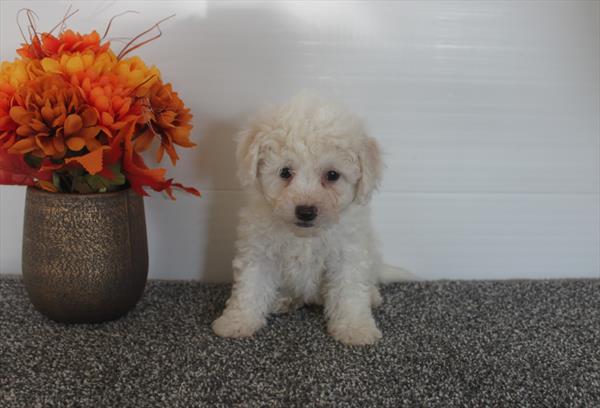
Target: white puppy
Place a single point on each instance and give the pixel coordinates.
(306, 236)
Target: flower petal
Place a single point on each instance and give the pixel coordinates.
(73, 124)
(92, 144)
(181, 136)
(47, 114)
(102, 103)
(89, 132)
(38, 125)
(24, 130)
(107, 119)
(6, 123)
(74, 64)
(143, 141)
(59, 120)
(20, 115)
(7, 138)
(59, 143)
(75, 143)
(23, 146)
(166, 119)
(51, 65)
(89, 116)
(46, 145)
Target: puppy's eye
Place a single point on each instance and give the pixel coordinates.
(285, 173)
(332, 175)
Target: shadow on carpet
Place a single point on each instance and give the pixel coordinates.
(511, 343)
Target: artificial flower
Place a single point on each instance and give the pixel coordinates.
(75, 117)
(47, 45)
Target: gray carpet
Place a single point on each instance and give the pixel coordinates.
(516, 343)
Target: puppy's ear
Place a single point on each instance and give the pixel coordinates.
(247, 153)
(371, 169)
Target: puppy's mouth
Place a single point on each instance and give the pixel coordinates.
(303, 224)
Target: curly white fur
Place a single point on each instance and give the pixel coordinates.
(283, 262)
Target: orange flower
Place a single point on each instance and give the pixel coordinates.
(52, 119)
(110, 86)
(169, 119)
(14, 73)
(7, 125)
(108, 96)
(72, 109)
(12, 76)
(67, 42)
(135, 74)
(75, 63)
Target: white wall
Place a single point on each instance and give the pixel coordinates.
(489, 113)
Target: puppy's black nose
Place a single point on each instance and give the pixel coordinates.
(306, 212)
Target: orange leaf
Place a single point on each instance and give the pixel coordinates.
(46, 185)
(92, 161)
(14, 170)
(115, 152)
(190, 190)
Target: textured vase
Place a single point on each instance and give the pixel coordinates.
(85, 256)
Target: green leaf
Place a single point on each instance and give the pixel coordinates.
(119, 178)
(33, 161)
(56, 181)
(75, 171)
(97, 183)
(81, 186)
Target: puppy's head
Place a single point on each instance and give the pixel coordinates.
(310, 160)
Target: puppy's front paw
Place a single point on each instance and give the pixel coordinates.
(236, 324)
(355, 333)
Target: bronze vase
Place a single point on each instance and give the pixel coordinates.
(85, 256)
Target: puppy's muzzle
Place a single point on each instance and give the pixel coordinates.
(305, 214)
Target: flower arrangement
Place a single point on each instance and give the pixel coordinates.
(75, 117)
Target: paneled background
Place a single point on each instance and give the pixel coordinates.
(489, 114)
